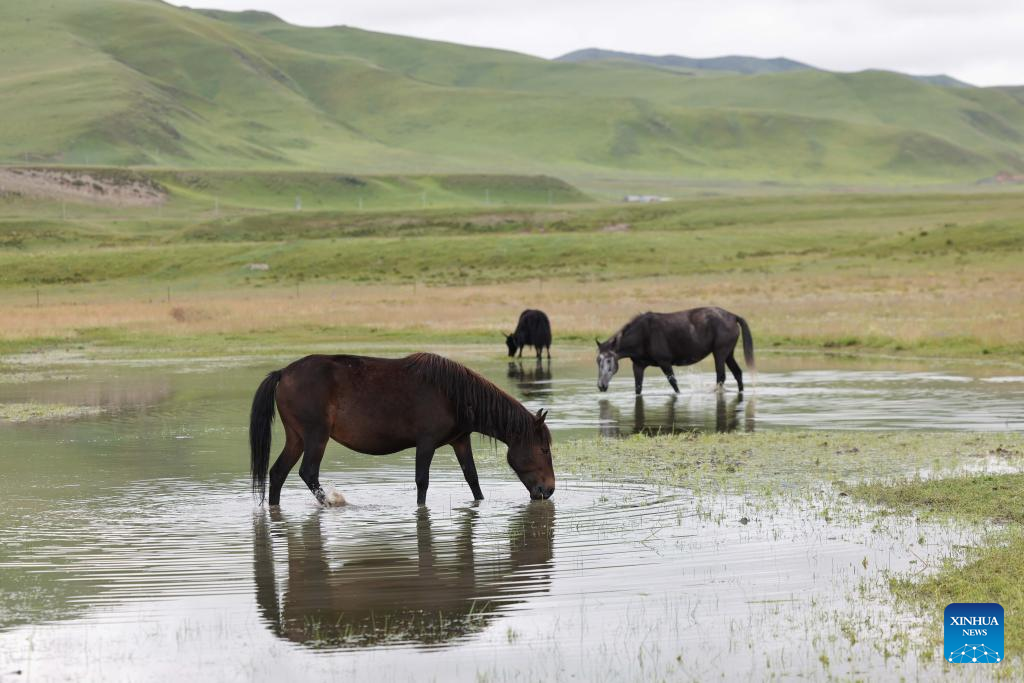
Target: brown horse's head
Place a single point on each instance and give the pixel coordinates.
(530, 457)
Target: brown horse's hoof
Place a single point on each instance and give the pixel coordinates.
(334, 499)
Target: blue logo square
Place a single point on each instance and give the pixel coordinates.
(973, 633)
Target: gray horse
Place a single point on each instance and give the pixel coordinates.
(680, 338)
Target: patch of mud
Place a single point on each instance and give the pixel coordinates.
(121, 188)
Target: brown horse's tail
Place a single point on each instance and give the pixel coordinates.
(261, 419)
(748, 344)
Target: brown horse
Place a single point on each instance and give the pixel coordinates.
(383, 405)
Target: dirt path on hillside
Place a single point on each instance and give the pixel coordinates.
(121, 188)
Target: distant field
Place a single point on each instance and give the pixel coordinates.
(923, 273)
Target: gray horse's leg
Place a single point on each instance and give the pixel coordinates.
(667, 369)
(734, 368)
(719, 371)
(638, 376)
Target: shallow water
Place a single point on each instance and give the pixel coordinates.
(130, 548)
(796, 392)
(183, 577)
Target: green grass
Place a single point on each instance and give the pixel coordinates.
(978, 498)
(927, 273)
(135, 82)
(783, 236)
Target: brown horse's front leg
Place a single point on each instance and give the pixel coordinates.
(424, 454)
(464, 452)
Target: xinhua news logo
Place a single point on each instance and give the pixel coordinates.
(973, 633)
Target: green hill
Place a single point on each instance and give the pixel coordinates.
(139, 82)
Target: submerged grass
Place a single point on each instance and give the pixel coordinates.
(780, 462)
(833, 467)
(990, 573)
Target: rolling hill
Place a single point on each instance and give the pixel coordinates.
(143, 83)
(736, 64)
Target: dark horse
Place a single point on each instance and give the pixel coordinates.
(681, 338)
(383, 405)
(533, 329)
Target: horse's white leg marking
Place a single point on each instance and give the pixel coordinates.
(333, 498)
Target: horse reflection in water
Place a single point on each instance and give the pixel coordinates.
(730, 415)
(421, 589)
(532, 380)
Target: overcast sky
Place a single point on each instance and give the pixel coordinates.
(979, 41)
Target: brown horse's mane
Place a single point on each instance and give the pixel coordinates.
(479, 404)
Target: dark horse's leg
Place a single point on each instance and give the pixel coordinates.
(424, 454)
(539, 350)
(734, 368)
(549, 351)
(667, 369)
(720, 369)
(521, 350)
(638, 376)
(464, 452)
(316, 442)
(284, 464)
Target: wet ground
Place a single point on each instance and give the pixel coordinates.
(131, 549)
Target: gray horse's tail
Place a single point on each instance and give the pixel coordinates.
(748, 344)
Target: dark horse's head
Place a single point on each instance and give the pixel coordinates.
(530, 457)
(607, 363)
(510, 342)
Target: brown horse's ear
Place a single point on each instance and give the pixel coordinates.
(541, 414)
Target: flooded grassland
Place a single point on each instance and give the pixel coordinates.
(689, 538)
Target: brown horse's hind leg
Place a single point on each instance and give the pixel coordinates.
(734, 368)
(284, 464)
(316, 443)
(464, 452)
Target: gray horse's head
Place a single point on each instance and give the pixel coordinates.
(607, 363)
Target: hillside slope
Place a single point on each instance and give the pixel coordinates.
(139, 82)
